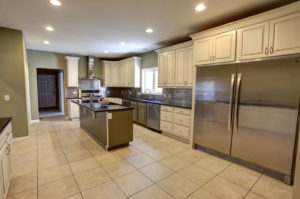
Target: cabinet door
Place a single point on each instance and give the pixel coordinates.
(161, 65)
(130, 74)
(135, 114)
(142, 115)
(224, 47)
(5, 163)
(203, 51)
(188, 75)
(122, 69)
(170, 69)
(284, 35)
(107, 74)
(114, 74)
(181, 66)
(72, 67)
(75, 110)
(253, 41)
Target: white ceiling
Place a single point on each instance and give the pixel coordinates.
(88, 27)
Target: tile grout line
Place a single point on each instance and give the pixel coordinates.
(253, 186)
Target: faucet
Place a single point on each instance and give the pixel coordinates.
(149, 93)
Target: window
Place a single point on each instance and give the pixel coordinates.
(150, 80)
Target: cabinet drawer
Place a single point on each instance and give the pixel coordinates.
(167, 108)
(182, 111)
(182, 120)
(166, 126)
(133, 103)
(142, 104)
(181, 131)
(166, 116)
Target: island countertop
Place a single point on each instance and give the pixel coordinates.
(97, 107)
(4, 121)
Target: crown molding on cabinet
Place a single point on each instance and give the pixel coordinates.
(265, 16)
(175, 47)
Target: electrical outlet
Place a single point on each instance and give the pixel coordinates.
(170, 95)
(6, 97)
(164, 95)
(129, 92)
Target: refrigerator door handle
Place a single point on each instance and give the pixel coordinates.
(230, 102)
(236, 112)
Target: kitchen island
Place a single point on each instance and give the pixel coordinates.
(110, 125)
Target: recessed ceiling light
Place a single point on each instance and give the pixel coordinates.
(200, 7)
(106, 51)
(55, 2)
(149, 30)
(49, 28)
(46, 42)
(122, 43)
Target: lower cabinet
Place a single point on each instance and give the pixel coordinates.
(5, 161)
(175, 122)
(139, 112)
(73, 110)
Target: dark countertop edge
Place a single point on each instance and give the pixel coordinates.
(73, 98)
(91, 109)
(158, 102)
(5, 125)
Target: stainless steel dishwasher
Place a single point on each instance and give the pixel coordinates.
(153, 116)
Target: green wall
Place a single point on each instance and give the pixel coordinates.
(12, 80)
(149, 59)
(51, 60)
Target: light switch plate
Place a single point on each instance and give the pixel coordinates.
(109, 116)
(6, 97)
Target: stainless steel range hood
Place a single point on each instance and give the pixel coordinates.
(91, 73)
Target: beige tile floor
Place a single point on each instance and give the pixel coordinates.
(59, 160)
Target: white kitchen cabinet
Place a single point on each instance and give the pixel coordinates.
(115, 74)
(6, 170)
(216, 49)
(124, 73)
(184, 67)
(284, 35)
(73, 110)
(224, 46)
(203, 50)
(72, 71)
(253, 41)
(106, 73)
(166, 67)
(175, 122)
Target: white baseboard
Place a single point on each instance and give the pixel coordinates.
(34, 121)
(20, 138)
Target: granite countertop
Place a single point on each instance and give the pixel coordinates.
(97, 107)
(4, 121)
(179, 105)
(73, 97)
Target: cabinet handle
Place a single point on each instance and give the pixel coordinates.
(266, 51)
(271, 49)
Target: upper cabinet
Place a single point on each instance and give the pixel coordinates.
(272, 33)
(253, 41)
(175, 66)
(215, 49)
(124, 73)
(72, 71)
(284, 35)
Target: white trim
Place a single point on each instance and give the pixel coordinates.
(20, 138)
(34, 121)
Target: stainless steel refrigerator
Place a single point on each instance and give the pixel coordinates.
(248, 111)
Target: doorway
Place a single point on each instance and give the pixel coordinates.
(50, 92)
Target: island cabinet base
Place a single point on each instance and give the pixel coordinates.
(111, 129)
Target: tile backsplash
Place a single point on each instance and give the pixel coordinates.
(176, 95)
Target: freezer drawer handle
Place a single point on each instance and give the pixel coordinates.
(237, 95)
(230, 102)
